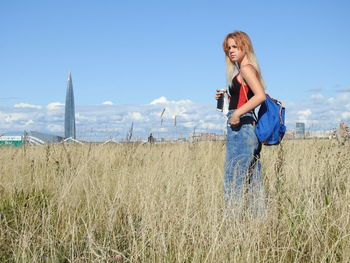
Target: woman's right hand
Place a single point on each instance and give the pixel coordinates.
(218, 93)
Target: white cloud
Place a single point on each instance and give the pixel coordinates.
(345, 115)
(344, 90)
(81, 118)
(108, 102)
(316, 115)
(26, 105)
(182, 108)
(11, 117)
(98, 122)
(304, 113)
(29, 122)
(317, 96)
(343, 97)
(208, 125)
(160, 129)
(190, 124)
(55, 128)
(161, 100)
(54, 106)
(289, 104)
(136, 116)
(331, 100)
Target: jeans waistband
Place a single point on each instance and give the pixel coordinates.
(248, 114)
(246, 118)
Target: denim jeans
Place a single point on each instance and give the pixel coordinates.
(243, 185)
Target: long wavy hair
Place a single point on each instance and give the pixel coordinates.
(245, 44)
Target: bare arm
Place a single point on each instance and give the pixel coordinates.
(251, 78)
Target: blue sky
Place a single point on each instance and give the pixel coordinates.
(132, 53)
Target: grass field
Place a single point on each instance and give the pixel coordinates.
(164, 203)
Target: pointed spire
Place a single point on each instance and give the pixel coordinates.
(69, 122)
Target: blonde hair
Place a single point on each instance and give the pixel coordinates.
(244, 43)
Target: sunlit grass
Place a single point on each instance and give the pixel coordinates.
(164, 203)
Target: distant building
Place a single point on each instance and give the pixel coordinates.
(319, 134)
(47, 137)
(300, 130)
(69, 120)
(199, 137)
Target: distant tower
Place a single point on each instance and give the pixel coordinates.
(300, 130)
(69, 121)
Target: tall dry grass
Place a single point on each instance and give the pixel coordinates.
(164, 203)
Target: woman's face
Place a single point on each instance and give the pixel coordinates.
(234, 53)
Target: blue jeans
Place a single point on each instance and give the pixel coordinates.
(243, 185)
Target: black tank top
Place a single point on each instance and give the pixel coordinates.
(238, 97)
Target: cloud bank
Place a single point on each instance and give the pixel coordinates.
(105, 120)
(164, 118)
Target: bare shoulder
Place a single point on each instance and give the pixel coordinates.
(252, 78)
(249, 71)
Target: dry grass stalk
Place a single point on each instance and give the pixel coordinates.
(135, 203)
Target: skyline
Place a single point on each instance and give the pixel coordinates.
(69, 114)
(131, 54)
(107, 120)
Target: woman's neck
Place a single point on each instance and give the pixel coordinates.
(243, 62)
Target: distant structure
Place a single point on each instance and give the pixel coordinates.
(47, 137)
(202, 137)
(69, 120)
(18, 141)
(300, 130)
(11, 141)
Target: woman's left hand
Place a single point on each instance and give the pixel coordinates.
(235, 119)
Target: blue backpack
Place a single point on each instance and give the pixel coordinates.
(270, 126)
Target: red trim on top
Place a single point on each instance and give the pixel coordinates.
(242, 97)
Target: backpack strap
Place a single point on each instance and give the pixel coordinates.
(281, 107)
(277, 101)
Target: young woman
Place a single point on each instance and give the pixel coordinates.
(246, 92)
